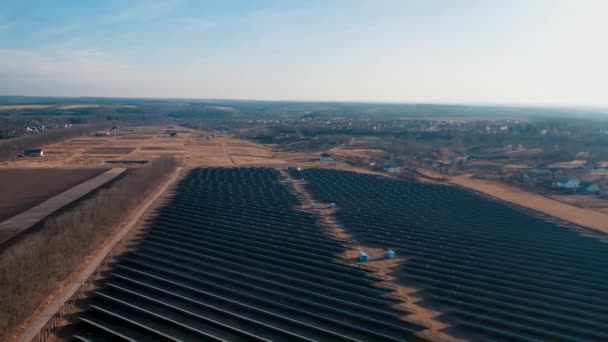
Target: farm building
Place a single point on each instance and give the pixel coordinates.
(393, 167)
(568, 183)
(529, 179)
(325, 157)
(589, 188)
(36, 152)
(540, 171)
(293, 168)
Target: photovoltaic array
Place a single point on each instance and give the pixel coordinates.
(229, 258)
(501, 270)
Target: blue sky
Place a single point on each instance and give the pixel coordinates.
(524, 52)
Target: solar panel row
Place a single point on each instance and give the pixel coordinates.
(229, 258)
(503, 270)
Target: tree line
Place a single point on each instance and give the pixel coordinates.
(11, 148)
(33, 266)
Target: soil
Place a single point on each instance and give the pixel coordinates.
(21, 189)
(110, 150)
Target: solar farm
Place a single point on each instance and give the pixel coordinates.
(236, 254)
(230, 258)
(501, 270)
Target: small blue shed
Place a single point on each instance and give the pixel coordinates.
(362, 256)
(390, 254)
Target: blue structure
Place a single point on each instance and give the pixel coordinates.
(390, 254)
(313, 205)
(332, 205)
(325, 157)
(362, 256)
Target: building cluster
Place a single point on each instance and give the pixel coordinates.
(555, 179)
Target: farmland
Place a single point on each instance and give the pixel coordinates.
(230, 258)
(147, 143)
(21, 189)
(495, 270)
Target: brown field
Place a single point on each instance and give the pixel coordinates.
(525, 152)
(566, 165)
(75, 106)
(110, 150)
(136, 137)
(583, 201)
(222, 109)
(358, 152)
(155, 148)
(516, 166)
(16, 107)
(23, 189)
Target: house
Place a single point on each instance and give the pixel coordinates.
(393, 167)
(36, 152)
(293, 168)
(528, 179)
(325, 157)
(540, 171)
(590, 188)
(568, 183)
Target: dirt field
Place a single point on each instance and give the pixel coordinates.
(359, 152)
(584, 201)
(567, 165)
(110, 150)
(23, 189)
(14, 107)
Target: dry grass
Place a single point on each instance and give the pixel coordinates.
(32, 267)
(225, 109)
(21, 189)
(76, 106)
(18, 107)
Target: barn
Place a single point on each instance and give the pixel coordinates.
(35, 152)
(568, 183)
(325, 157)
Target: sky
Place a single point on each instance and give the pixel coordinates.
(539, 52)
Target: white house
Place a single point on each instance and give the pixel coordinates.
(568, 183)
(393, 167)
(325, 157)
(592, 188)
